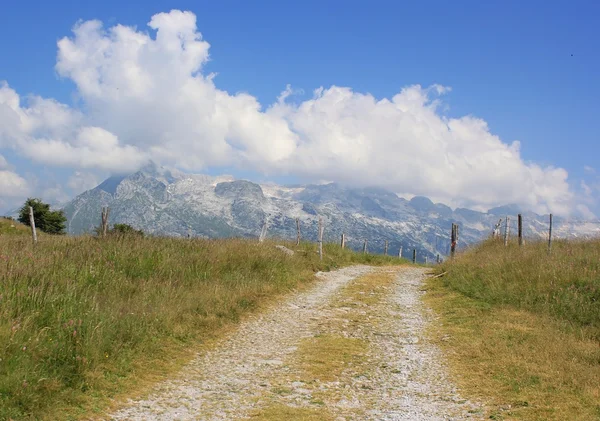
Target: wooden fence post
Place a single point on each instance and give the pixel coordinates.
(550, 236)
(520, 228)
(365, 247)
(506, 231)
(105, 213)
(414, 255)
(385, 250)
(320, 238)
(32, 223)
(437, 260)
(425, 259)
(496, 232)
(263, 233)
(297, 231)
(400, 253)
(453, 241)
(343, 243)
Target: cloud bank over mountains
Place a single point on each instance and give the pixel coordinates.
(143, 95)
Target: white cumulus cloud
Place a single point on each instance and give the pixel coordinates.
(82, 181)
(12, 185)
(145, 96)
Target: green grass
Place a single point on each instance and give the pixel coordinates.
(84, 320)
(521, 328)
(13, 227)
(564, 285)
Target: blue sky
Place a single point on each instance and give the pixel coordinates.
(529, 69)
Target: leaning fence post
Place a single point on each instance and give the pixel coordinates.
(496, 231)
(32, 223)
(400, 253)
(343, 242)
(550, 236)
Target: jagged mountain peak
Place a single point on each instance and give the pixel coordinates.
(166, 202)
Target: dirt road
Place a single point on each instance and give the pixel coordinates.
(351, 348)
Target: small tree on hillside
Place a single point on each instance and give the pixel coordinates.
(126, 229)
(120, 229)
(46, 220)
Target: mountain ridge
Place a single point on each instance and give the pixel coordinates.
(168, 202)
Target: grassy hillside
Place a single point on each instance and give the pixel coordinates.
(522, 328)
(85, 319)
(12, 227)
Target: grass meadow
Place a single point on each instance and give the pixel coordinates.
(84, 320)
(521, 327)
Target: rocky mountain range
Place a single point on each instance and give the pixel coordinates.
(160, 201)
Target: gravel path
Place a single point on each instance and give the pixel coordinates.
(247, 371)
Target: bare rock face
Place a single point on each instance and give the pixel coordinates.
(167, 202)
(240, 189)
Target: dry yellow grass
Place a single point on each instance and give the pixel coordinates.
(288, 413)
(331, 356)
(523, 365)
(326, 356)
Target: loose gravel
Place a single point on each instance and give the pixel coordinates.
(406, 378)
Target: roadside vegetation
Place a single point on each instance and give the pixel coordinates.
(521, 328)
(84, 320)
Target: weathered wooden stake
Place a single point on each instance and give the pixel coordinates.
(365, 247)
(453, 241)
(506, 231)
(496, 232)
(520, 228)
(414, 255)
(550, 236)
(437, 260)
(297, 231)
(32, 223)
(425, 259)
(320, 238)
(263, 233)
(105, 213)
(400, 253)
(343, 242)
(385, 250)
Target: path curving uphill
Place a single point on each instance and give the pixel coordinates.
(353, 347)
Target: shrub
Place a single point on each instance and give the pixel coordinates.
(46, 220)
